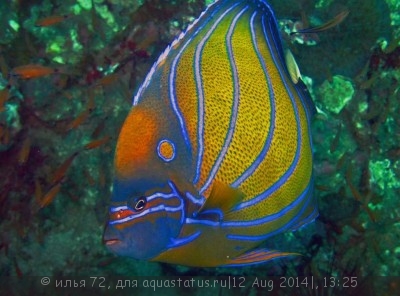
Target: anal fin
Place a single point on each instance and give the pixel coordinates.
(257, 256)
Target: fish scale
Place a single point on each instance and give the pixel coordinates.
(215, 156)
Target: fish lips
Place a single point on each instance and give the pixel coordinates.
(125, 242)
(144, 240)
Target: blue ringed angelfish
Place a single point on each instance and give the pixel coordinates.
(215, 156)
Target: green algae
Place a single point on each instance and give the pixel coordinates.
(336, 94)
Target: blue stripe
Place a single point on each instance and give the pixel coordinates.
(172, 94)
(172, 76)
(295, 221)
(283, 179)
(215, 211)
(235, 104)
(196, 200)
(163, 56)
(267, 219)
(152, 210)
(183, 241)
(202, 222)
(308, 105)
(250, 170)
(200, 92)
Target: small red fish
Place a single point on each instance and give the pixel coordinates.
(97, 131)
(78, 120)
(50, 195)
(3, 65)
(106, 80)
(51, 20)
(32, 71)
(38, 191)
(18, 270)
(23, 154)
(91, 103)
(97, 143)
(89, 178)
(59, 174)
(3, 97)
(4, 135)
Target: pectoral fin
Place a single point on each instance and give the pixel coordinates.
(292, 67)
(222, 197)
(256, 257)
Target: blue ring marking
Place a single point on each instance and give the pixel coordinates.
(173, 149)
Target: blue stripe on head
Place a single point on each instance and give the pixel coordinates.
(162, 197)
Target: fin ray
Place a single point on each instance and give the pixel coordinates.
(258, 256)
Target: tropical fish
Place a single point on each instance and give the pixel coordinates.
(97, 143)
(215, 156)
(32, 71)
(61, 171)
(51, 20)
(325, 26)
(50, 195)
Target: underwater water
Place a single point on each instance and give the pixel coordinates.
(69, 70)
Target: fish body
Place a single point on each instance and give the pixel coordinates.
(51, 20)
(215, 156)
(32, 71)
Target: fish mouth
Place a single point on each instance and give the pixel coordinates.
(111, 242)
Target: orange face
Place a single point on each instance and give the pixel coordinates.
(147, 209)
(137, 139)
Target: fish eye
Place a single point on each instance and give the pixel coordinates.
(137, 204)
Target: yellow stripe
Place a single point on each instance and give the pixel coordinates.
(267, 227)
(283, 146)
(218, 94)
(253, 123)
(291, 189)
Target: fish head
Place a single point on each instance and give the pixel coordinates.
(146, 223)
(147, 209)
